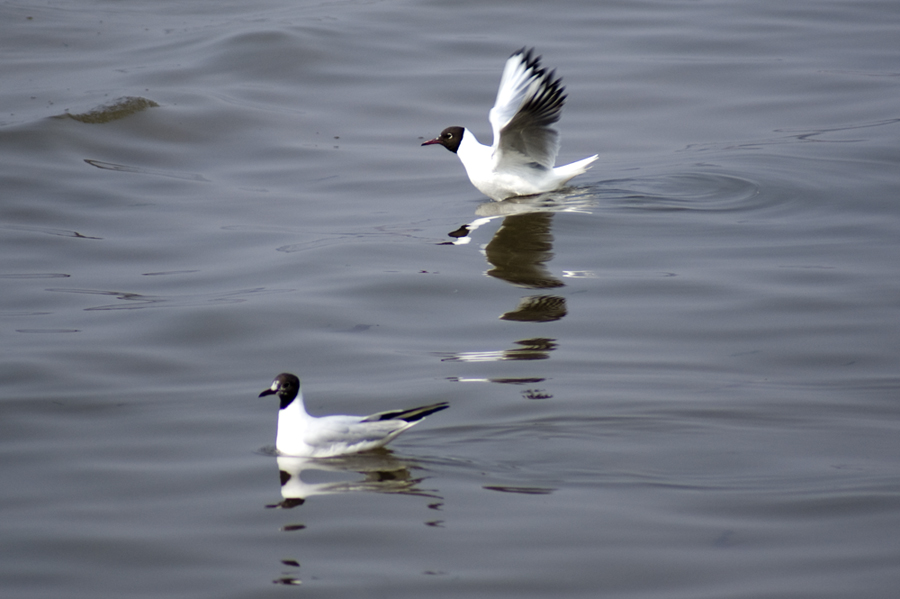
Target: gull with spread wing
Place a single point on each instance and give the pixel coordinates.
(521, 160)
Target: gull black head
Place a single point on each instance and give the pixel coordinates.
(450, 138)
(287, 386)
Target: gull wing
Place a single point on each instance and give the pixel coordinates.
(350, 430)
(528, 102)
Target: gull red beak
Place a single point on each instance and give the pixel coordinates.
(436, 140)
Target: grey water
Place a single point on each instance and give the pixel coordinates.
(679, 377)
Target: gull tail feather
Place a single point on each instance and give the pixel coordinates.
(573, 169)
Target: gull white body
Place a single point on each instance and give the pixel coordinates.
(300, 434)
(521, 159)
(513, 178)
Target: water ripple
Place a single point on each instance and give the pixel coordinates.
(137, 301)
(706, 192)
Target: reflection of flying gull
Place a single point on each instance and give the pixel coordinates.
(520, 161)
(300, 434)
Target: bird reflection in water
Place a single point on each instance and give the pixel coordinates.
(518, 253)
(538, 348)
(521, 248)
(381, 473)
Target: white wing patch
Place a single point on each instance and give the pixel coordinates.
(528, 102)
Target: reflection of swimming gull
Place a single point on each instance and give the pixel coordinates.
(520, 161)
(383, 473)
(300, 434)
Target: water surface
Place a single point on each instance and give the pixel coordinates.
(677, 378)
